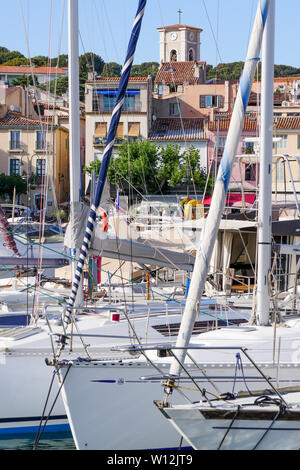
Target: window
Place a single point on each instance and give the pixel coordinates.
(15, 140)
(283, 143)
(133, 131)
(173, 88)
(174, 109)
(160, 89)
(104, 100)
(221, 142)
(173, 56)
(280, 171)
(248, 147)
(191, 55)
(40, 166)
(40, 140)
(298, 141)
(211, 101)
(250, 172)
(100, 132)
(14, 166)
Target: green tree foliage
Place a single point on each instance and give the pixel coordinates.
(177, 168)
(88, 62)
(61, 61)
(57, 87)
(233, 70)
(8, 183)
(17, 61)
(153, 169)
(40, 61)
(6, 55)
(25, 80)
(145, 69)
(136, 163)
(111, 69)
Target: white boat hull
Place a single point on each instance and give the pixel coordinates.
(239, 434)
(119, 412)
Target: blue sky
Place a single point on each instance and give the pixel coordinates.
(106, 24)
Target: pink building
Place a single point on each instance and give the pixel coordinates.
(243, 172)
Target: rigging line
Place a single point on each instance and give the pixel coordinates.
(181, 119)
(52, 407)
(75, 259)
(212, 31)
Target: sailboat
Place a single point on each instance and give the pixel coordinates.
(121, 391)
(268, 418)
(30, 398)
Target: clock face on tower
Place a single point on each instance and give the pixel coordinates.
(173, 36)
(191, 36)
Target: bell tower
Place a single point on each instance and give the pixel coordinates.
(179, 43)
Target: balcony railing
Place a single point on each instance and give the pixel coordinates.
(98, 106)
(103, 140)
(15, 145)
(42, 147)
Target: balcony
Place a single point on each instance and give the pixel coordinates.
(127, 107)
(41, 147)
(101, 141)
(15, 146)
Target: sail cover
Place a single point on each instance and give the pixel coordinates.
(110, 246)
(6, 233)
(142, 253)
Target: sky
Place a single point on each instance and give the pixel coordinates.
(39, 27)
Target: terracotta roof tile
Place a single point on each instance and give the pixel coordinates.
(288, 122)
(250, 124)
(117, 79)
(180, 26)
(13, 119)
(177, 129)
(177, 72)
(28, 70)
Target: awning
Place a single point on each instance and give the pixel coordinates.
(120, 131)
(234, 198)
(115, 92)
(101, 129)
(133, 129)
(286, 227)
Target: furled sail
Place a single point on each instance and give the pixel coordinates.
(114, 247)
(106, 156)
(212, 222)
(6, 233)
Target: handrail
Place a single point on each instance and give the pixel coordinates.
(169, 349)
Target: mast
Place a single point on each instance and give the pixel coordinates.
(74, 145)
(74, 134)
(106, 156)
(209, 233)
(264, 231)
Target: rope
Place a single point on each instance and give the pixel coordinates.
(282, 408)
(40, 431)
(229, 427)
(239, 365)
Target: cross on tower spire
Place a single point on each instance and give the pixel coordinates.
(179, 12)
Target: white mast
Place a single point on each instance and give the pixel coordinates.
(74, 110)
(264, 231)
(219, 195)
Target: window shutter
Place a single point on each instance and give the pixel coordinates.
(202, 101)
(100, 130)
(120, 132)
(220, 101)
(133, 129)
